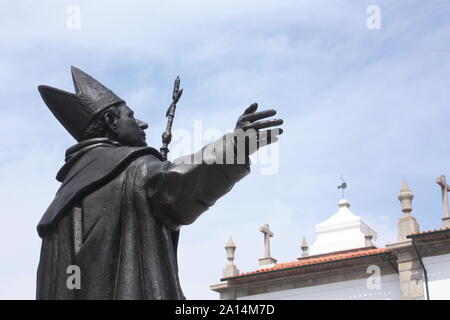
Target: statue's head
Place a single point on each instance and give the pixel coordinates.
(119, 124)
(94, 111)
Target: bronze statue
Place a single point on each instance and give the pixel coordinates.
(117, 213)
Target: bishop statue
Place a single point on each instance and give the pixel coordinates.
(120, 206)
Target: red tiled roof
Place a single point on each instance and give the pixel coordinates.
(315, 260)
(428, 232)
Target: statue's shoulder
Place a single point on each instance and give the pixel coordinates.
(147, 166)
(137, 152)
(103, 160)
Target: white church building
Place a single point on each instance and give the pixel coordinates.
(344, 264)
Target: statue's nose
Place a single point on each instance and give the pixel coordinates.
(142, 124)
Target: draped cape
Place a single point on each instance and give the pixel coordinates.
(117, 215)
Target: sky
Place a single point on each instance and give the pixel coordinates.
(369, 104)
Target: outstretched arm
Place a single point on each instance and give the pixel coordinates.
(181, 191)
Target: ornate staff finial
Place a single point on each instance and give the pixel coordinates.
(170, 114)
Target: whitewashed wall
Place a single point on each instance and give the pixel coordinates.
(438, 268)
(347, 290)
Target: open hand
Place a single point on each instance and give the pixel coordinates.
(249, 126)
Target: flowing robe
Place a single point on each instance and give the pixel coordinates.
(117, 214)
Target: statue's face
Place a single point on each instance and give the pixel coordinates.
(130, 131)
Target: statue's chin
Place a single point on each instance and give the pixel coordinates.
(134, 142)
(143, 142)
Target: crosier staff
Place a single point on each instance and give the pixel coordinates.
(170, 114)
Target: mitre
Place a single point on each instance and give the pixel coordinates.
(75, 111)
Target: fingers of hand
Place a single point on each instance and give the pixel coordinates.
(258, 115)
(251, 109)
(266, 142)
(267, 134)
(259, 135)
(254, 146)
(252, 140)
(267, 137)
(263, 124)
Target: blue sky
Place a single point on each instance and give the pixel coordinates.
(372, 105)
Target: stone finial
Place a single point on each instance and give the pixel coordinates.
(407, 224)
(230, 269)
(406, 196)
(267, 260)
(304, 247)
(368, 238)
(444, 190)
(343, 203)
(230, 247)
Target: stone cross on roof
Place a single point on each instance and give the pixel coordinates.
(267, 235)
(444, 189)
(267, 260)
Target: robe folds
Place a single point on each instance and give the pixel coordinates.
(117, 214)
